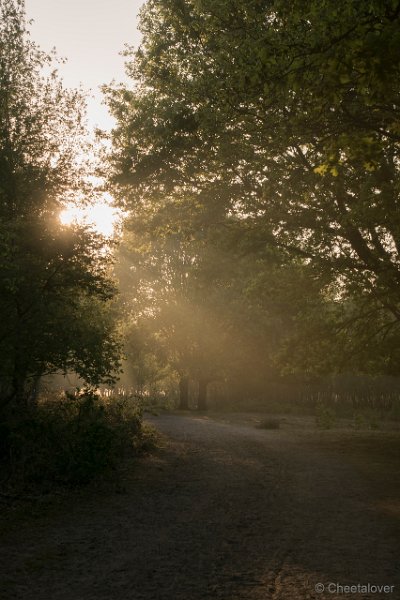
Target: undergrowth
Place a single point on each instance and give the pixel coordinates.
(69, 441)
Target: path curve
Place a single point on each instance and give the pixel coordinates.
(221, 512)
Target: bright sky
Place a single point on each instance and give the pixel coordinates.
(90, 34)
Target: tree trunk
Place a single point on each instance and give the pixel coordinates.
(6, 398)
(184, 393)
(19, 395)
(34, 392)
(19, 375)
(202, 398)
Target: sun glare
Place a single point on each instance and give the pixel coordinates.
(102, 216)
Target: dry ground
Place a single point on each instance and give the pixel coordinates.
(222, 511)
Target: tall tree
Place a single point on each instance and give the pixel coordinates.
(283, 114)
(55, 285)
(163, 286)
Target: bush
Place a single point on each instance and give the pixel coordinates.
(367, 419)
(325, 417)
(69, 442)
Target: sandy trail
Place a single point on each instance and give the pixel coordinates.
(220, 512)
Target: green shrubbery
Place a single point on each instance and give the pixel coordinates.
(325, 416)
(367, 419)
(70, 441)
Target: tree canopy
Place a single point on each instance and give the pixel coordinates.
(280, 120)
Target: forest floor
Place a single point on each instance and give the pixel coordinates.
(221, 510)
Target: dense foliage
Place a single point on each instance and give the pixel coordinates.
(270, 132)
(55, 285)
(69, 441)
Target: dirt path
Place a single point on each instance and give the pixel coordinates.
(220, 512)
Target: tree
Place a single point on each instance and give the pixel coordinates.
(168, 300)
(285, 115)
(55, 284)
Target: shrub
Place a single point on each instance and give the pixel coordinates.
(367, 419)
(325, 417)
(69, 442)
